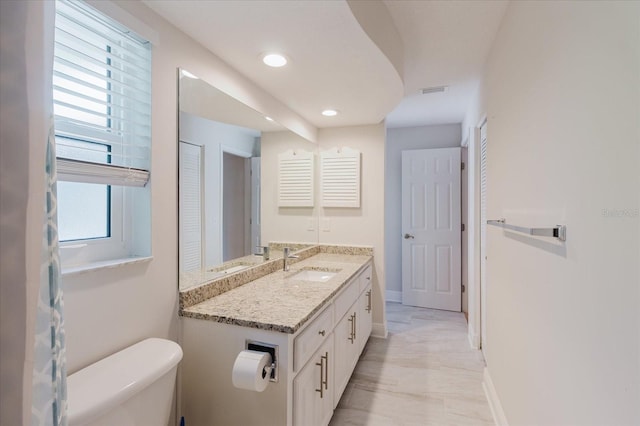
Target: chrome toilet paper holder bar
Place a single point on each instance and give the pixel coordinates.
(272, 349)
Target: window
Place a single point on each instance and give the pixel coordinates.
(102, 109)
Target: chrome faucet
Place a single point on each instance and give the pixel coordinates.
(286, 257)
(263, 251)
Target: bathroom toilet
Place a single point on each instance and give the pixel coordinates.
(133, 387)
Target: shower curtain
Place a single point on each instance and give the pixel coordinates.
(49, 398)
(49, 391)
(32, 353)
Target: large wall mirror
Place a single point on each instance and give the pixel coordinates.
(229, 160)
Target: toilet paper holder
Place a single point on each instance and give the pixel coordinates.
(272, 349)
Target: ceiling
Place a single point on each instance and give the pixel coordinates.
(335, 63)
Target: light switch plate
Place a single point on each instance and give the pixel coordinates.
(325, 224)
(311, 225)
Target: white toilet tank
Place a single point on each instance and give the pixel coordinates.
(133, 387)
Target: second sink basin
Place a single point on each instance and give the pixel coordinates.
(314, 275)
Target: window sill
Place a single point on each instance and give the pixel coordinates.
(106, 264)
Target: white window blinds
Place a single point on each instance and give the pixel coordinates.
(102, 98)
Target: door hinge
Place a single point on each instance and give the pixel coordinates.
(463, 227)
(464, 288)
(461, 166)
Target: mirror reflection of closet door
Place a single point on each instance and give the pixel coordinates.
(191, 207)
(256, 238)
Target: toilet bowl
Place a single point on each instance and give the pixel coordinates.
(133, 387)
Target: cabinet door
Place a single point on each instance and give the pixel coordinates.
(365, 317)
(346, 350)
(313, 388)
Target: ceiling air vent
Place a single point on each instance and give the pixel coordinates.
(435, 89)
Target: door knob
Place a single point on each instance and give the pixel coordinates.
(407, 236)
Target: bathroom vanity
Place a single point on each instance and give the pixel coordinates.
(317, 315)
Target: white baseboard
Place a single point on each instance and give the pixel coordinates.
(474, 339)
(394, 296)
(494, 402)
(379, 330)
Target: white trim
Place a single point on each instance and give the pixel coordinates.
(473, 228)
(394, 296)
(234, 151)
(117, 13)
(238, 152)
(474, 338)
(492, 398)
(379, 330)
(106, 264)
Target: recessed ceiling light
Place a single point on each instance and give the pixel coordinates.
(329, 112)
(188, 74)
(266, 117)
(275, 60)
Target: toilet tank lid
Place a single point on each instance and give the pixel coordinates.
(109, 382)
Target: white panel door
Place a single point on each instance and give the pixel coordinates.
(431, 240)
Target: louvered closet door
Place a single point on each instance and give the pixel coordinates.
(340, 177)
(295, 179)
(191, 189)
(483, 235)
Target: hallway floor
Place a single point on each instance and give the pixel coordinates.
(424, 374)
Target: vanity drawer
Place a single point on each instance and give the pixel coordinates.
(346, 298)
(365, 278)
(312, 337)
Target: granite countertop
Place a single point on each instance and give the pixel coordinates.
(276, 301)
(193, 279)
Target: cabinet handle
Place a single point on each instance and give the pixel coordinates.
(326, 370)
(321, 365)
(369, 301)
(352, 320)
(324, 373)
(321, 332)
(355, 328)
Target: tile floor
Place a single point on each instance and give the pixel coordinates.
(424, 373)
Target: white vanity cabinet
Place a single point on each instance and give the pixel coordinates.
(365, 314)
(353, 329)
(313, 388)
(319, 385)
(346, 348)
(313, 367)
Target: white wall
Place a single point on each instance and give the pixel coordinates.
(398, 140)
(215, 137)
(108, 310)
(562, 94)
(288, 224)
(365, 225)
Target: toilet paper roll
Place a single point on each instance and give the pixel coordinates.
(249, 370)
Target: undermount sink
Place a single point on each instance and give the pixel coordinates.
(314, 275)
(231, 268)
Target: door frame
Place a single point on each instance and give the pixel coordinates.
(477, 312)
(238, 152)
